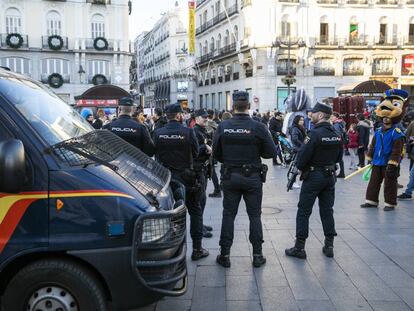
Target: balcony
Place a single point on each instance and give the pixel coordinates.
(89, 45)
(213, 81)
(249, 73)
(14, 42)
(54, 45)
(387, 2)
(410, 2)
(228, 49)
(245, 3)
(104, 2)
(327, 2)
(357, 2)
(182, 51)
(289, 1)
(409, 40)
(200, 2)
(381, 41)
(227, 78)
(217, 19)
(326, 41)
(361, 42)
(236, 76)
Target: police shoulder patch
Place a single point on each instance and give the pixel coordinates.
(398, 130)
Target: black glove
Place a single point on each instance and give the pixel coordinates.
(392, 171)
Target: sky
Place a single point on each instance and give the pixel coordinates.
(145, 13)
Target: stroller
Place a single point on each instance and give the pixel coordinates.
(284, 149)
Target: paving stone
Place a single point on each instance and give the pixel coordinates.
(278, 299)
(315, 305)
(406, 294)
(347, 298)
(208, 299)
(210, 276)
(389, 305)
(244, 306)
(179, 304)
(241, 288)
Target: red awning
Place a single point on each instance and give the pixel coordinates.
(103, 103)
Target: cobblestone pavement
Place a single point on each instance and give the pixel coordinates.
(373, 268)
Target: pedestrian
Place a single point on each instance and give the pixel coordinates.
(408, 193)
(317, 161)
(131, 130)
(363, 129)
(275, 128)
(298, 132)
(353, 146)
(239, 144)
(409, 133)
(99, 121)
(308, 121)
(159, 119)
(89, 118)
(176, 148)
(340, 129)
(226, 115)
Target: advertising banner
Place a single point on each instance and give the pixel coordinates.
(407, 65)
(191, 27)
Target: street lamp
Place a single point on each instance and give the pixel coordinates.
(81, 72)
(289, 79)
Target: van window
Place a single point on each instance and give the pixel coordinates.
(4, 134)
(53, 119)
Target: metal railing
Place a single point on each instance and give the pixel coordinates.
(289, 1)
(89, 44)
(217, 19)
(358, 2)
(217, 53)
(387, 2)
(3, 41)
(326, 41)
(99, 1)
(383, 41)
(327, 1)
(409, 40)
(45, 42)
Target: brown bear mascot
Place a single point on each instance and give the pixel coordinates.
(385, 150)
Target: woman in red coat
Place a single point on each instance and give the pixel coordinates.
(353, 145)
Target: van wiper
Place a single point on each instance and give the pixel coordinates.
(68, 145)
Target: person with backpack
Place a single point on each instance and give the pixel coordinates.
(340, 129)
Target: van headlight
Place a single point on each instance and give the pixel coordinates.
(154, 229)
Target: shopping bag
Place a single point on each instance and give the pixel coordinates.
(367, 174)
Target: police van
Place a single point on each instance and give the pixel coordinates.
(87, 221)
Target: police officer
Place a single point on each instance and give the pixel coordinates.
(201, 163)
(176, 148)
(239, 143)
(317, 161)
(131, 130)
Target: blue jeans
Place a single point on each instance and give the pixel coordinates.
(410, 186)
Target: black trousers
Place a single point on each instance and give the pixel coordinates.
(192, 201)
(361, 157)
(250, 189)
(215, 179)
(316, 185)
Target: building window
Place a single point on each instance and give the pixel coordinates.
(101, 67)
(285, 26)
(98, 26)
(55, 65)
(324, 67)
(220, 100)
(383, 66)
(213, 101)
(353, 67)
(16, 64)
(324, 32)
(201, 101)
(54, 24)
(218, 45)
(383, 31)
(411, 31)
(13, 21)
(282, 67)
(227, 38)
(353, 30)
(181, 64)
(212, 41)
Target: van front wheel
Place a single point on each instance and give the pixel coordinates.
(56, 284)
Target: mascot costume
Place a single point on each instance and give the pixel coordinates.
(385, 150)
(298, 103)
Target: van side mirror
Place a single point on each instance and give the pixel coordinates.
(12, 166)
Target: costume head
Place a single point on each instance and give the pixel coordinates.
(298, 103)
(393, 106)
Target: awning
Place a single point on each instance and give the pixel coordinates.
(367, 87)
(103, 92)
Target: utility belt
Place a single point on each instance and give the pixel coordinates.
(246, 170)
(201, 166)
(328, 171)
(190, 178)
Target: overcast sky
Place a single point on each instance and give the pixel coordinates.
(146, 12)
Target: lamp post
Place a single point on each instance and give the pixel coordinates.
(289, 79)
(81, 72)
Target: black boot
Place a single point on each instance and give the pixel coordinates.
(258, 259)
(215, 194)
(207, 234)
(328, 247)
(208, 228)
(198, 251)
(224, 258)
(298, 250)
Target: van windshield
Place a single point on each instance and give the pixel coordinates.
(53, 119)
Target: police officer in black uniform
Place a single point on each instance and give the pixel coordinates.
(317, 161)
(176, 148)
(239, 143)
(201, 163)
(131, 130)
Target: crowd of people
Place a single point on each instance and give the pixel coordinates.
(182, 140)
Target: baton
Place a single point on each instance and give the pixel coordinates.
(361, 170)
